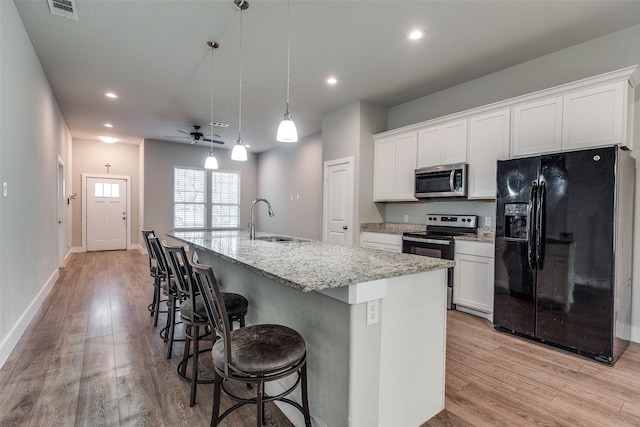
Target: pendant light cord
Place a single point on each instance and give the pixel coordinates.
(211, 122)
(288, 49)
(240, 89)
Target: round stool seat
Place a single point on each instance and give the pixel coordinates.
(234, 303)
(261, 349)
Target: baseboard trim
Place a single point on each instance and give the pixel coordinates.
(8, 344)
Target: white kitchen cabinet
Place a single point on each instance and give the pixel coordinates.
(384, 241)
(443, 144)
(394, 168)
(488, 143)
(473, 275)
(596, 116)
(537, 127)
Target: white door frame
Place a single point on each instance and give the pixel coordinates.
(84, 205)
(327, 164)
(62, 223)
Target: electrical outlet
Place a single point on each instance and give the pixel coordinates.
(487, 221)
(406, 218)
(373, 312)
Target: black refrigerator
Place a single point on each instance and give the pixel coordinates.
(563, 250)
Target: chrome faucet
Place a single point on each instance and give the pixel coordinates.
(252, 228)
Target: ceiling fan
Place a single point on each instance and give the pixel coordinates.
(197, 136)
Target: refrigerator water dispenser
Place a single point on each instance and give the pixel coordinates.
(516, 216)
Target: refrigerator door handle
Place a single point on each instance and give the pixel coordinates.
(531, 232)
(540, 231)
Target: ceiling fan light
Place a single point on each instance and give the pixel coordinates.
(211, 162)
(239, 152)
(287, 131)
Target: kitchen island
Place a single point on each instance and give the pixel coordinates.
(374, 322)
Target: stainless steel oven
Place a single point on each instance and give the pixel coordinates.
(438, 241)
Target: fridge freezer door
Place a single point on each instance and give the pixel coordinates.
(575, 283)
(514, 296)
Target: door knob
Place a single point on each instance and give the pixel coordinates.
(344, 227)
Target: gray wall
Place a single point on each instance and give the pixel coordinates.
(90, 157)
(611, 52)
(290, 177)
(346, 132)
(160, 157)
(33, 135)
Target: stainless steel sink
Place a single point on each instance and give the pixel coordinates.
(280, 239)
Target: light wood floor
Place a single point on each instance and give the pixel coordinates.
(92, 357)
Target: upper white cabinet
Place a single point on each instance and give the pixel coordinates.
(596, 116)
(596, 111)
(580, 119)
(537, 127)
(443, 144)
(488, 143)
(394, 168)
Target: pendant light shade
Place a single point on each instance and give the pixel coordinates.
(211, 162)
(239, 152)
(287, 131)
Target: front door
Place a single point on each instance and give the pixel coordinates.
(338, 201)
(106, 214)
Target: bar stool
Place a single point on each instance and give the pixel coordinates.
(154, 307)
(194, 316)
(256, 354)
(173, 294)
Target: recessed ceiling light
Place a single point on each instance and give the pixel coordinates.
(416, 34)
(332, 80)
(108, 139)
(110, 95)
(108, 125)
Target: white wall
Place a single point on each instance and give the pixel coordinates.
(290, 177)
(160, 157)
(611, 52)
(33, 135)
(90, 157)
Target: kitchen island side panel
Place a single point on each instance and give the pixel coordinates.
(321, 320)
(354, 367)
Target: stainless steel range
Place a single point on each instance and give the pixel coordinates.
(438, 240)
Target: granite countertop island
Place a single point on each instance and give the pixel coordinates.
(309, 265)
(371, 321)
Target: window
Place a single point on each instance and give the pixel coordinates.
(196, 207)
(105, 189)
(225, 199)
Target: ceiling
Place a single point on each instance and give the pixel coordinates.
(154, 55)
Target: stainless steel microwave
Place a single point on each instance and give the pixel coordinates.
(441, 181)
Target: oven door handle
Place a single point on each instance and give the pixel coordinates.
(434, 241)
(451, 180)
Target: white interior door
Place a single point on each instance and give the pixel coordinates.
(106, 214)
(61, 218)
(338, 201)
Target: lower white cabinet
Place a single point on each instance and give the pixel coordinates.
(473, 275)
(384, 241)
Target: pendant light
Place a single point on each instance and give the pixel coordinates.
(287, 131)
(239, 152)
(211, 162)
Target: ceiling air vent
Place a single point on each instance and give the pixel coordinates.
(64, 8)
